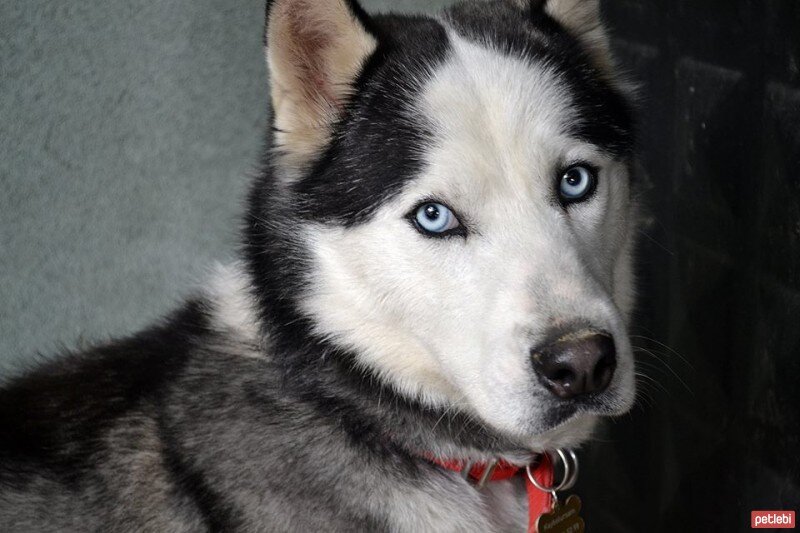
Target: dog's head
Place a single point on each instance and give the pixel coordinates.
(455, 203)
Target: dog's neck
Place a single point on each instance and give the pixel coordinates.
(373, 412)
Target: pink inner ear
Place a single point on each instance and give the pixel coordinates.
(311, 37)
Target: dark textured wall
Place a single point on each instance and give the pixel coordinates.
(127, 131)
(721, 271)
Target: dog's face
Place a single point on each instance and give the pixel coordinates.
(462, 192)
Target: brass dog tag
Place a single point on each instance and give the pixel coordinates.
(564, 518)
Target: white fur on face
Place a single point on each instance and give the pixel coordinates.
(452, 321)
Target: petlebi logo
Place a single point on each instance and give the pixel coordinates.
(772, 520)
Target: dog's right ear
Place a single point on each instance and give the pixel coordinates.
(315, 51)
(583, 20)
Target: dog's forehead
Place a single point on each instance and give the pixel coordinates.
(501, 123)
(525, 93)
(479, 87)
(495, 114)
(598, 101)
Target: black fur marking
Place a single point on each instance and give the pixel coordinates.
(217, 514)
(54, 418)
(537, 5)
(375, 146)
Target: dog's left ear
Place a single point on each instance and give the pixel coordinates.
(315, 50)
(582, 19)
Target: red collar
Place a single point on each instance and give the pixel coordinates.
(539, 502)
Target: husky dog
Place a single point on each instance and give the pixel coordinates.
(436, 263)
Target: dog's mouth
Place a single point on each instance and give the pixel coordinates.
(562, 413)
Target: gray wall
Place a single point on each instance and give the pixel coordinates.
(127, 134)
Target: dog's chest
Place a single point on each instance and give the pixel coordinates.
(498, 507)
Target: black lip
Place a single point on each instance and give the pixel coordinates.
(558, 415)
(562, 411)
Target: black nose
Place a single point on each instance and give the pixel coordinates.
(577, 364)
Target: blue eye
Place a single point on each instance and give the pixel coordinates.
(435, 218)
(577, 183)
